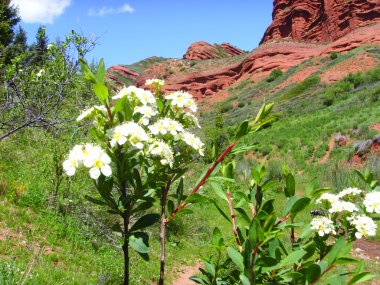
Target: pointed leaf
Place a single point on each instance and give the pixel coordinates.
(86, 71)
(236, 258)
(145, 221)
(138, 244)
(100, 72)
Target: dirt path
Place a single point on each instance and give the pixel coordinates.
(324, 159)
(376, 127)
(185, 272)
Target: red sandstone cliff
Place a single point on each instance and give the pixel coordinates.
(203, 50)
(319, 20)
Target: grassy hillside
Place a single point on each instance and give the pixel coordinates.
(45, 221)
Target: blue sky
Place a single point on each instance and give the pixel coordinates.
(133, 30)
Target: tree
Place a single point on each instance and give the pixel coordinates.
(36, 96)
(40, 48)
(8, 19)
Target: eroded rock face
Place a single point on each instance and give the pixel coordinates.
(203, 50)
(320, 20)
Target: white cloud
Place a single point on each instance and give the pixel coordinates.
(126, 8)
(40, 11)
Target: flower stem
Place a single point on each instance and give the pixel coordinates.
(204, 179)
(233, 218)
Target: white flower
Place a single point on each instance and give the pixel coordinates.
(340, 206)
(91, 156)
(349, 191)
(91, 112)
(145, 96)
(125, 91)
(182, 99)
(98, 161)
(194, 142)
(191, 119)
(157, 82)
(322, 225)
(165, 126)
(372, 202)
(364, 226)
(131, 132)
(327, 197)
(147, 113)
(73, 162)
(40, 73)
(163, 150)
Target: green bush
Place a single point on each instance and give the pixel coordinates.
(355, 79)
(301, 87)
(276, 73)
(333, 55)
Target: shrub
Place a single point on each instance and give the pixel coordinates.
(241, 104)
(333, 55)
(355, 79)
(301, 87)
(276, 73)
(193, 62)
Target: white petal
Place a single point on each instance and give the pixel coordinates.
(94, 173)
(106, 170)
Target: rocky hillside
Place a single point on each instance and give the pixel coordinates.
(203, 50)
(300, 30)
(320, 21)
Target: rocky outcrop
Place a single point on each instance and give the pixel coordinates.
(203, 50)
(119, 72)
(319, 20)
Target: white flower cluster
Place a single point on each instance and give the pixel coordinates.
(132, 92)
(163, 150)
(182, 99)
(364, 225)
(92, 157)
(157, 82)
(323, 226)
(360, 224)
(154, 129)
(372, 202)
(131, 132)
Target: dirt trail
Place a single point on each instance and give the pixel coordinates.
(324, 159)
(185, 272)
(376, 127)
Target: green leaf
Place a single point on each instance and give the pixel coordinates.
(313, 272)
(87, 73)
(299, 205)
(101, 91)
(183, 212)
(196, 198)
(100, 72)
(293, 257)
(145, 221)
(361, 277)
(228, 170)
(243, 149)
(289, 204)
(117, 228)
(243, 214)
(210, 268)
(242, 130)
(244, 279)
(290, 186)
(136, 176)
(180, 191)
(221, 211)
(218, 190)
(199, 280)
(217, 238)
(337, 250)
(138, 244)
(95, 201)
(236, 258)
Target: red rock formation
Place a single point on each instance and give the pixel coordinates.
(123, 71)
(203, 50)
(320, 20)
(267, 57)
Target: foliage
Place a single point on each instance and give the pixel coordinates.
(301, 87)
(262, 256)
(333, 55)
(276, 73)
(35, 96)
